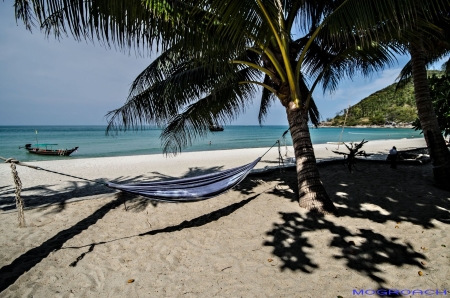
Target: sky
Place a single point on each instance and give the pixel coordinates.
(44, 81)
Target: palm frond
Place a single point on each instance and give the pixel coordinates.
(172, 83)
(446, 67)
(313, 111)
(23, 11)
(267, 98)
(376, 20)
(330, 64)
(227, 100)
(125, 24)
(404, 77)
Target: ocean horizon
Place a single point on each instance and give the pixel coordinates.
(93, 142)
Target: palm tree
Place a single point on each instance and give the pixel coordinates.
(439, 153)
(226, 94)
(215, 52)
(426, 48)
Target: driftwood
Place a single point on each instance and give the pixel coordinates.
(350, 158)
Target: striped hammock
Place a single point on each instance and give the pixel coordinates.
(189, 189)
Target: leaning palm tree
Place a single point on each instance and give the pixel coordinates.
(439, 153)
(426, 48)
(216, 53)
(200, 97)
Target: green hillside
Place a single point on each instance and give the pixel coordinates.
(384, 107)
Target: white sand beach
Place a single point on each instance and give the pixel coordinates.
(253, 241)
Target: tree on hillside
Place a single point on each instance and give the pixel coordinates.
(385, 106)
(215, 53)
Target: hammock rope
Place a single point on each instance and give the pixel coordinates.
(11, 160)
(171, 191)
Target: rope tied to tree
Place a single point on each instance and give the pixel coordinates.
(50, 171)
(19, 201)
(285, 143)
(280, 156)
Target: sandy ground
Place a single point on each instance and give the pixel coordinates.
(253, 241)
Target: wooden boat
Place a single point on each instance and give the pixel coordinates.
(216, 128)
(46, 149)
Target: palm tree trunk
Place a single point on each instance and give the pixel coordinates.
(312, 194)
(440, 156)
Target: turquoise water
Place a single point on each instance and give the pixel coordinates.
(93, 142)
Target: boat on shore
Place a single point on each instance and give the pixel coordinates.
(216, 128)
(46, 149)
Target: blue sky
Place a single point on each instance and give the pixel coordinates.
(44, 81)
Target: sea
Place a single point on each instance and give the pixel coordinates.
(93, 141)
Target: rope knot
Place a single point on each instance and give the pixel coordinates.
(11, 160)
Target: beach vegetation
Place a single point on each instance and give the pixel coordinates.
(215, 57)
(390, 106)
(377, 119)
(440, 95)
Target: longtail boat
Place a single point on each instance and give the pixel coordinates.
(46, 149)
(216, 128)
